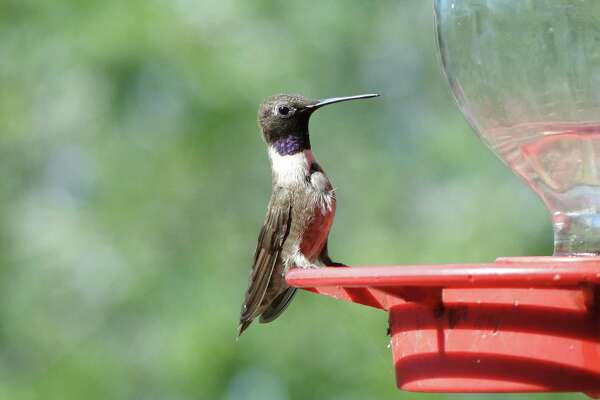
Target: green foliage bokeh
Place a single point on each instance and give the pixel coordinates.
(133, 182)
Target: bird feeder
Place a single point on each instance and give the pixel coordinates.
(527, 77)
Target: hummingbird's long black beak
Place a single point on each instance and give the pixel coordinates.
(334, 100)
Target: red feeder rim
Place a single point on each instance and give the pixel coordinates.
(527, 324)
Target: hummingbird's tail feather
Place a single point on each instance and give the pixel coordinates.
(278, 306)
(244, 324)
(273, 311)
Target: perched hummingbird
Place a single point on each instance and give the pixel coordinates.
(300, 211)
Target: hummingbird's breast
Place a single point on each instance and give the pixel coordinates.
(313, 204)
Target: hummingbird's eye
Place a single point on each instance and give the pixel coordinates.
(284, 110)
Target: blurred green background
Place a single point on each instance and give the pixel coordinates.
(133, 183)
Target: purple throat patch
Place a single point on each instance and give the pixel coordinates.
(291, 144)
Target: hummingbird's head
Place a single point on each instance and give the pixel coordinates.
(283, 120)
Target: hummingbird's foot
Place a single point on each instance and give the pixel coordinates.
(335, 264)
(328, 262)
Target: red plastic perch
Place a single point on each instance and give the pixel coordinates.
(528, 324)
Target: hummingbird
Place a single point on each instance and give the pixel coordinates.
(301, 209)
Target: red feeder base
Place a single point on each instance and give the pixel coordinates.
(517, 325)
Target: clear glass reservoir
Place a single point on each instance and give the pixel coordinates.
(526, 74)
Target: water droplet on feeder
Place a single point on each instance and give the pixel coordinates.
(478, 361)
(556, 277)
(516, 303)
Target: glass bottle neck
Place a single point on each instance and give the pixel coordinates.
(576, 234)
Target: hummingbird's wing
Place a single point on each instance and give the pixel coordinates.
(267, 255)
